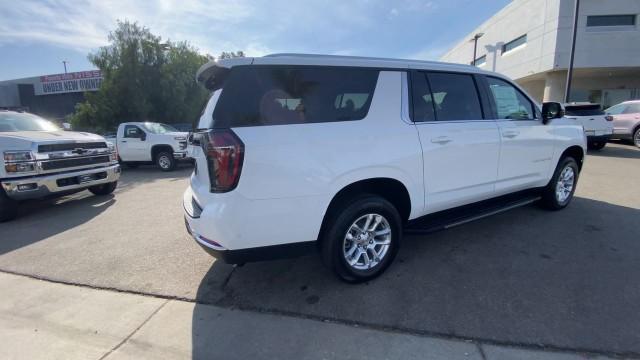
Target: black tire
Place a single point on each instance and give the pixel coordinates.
(165, 161)
(550, 199)
(596, 145)
(334, 242)
(8, 207)
(636, 137)
(103, 189)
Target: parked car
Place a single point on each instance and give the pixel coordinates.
(626, 121)
(597, 125)
(344, 154)
(149, 142)
(41, 160)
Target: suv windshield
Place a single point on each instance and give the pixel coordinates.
(11, 122)
(157, 128)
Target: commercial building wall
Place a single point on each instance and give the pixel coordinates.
(607, 58)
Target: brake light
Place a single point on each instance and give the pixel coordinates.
(225, 153)
(609, 118)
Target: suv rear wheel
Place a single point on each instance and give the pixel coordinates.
(362, 239)
(636, 137)
(165, 161)
(8, 207)
(559, 192)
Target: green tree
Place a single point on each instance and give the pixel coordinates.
(143, 79)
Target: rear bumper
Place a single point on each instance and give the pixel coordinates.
(236, 230)
(598, 138)
(262, 253)
(43, 186)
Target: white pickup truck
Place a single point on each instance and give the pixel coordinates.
(40, 160)
(149, 142)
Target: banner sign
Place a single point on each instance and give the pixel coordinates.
(70, 82)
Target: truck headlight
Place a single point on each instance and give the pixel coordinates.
(113, 156)
(20, 168)
(14, 156)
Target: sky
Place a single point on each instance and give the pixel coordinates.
(37, 35)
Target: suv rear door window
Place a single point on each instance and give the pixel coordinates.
(455, 97)
(423, 109)
(277, 95)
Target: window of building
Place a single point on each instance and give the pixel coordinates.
(515, 43)
(455, 97)
(274, 95)
(510, 103)
(611, 20)
(480, 61)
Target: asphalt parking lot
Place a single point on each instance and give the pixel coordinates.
(567, 280)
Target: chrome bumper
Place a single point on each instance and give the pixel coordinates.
(42, 186)
(180, 154)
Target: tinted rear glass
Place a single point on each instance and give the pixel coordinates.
(583, 110)
(276, 95)
(455, 97)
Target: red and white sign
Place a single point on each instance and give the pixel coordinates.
(70, 82)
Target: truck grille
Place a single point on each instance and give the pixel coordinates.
(71, 146)
(69, 163)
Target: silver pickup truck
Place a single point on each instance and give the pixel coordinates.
(40, 160)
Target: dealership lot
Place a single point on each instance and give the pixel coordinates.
(567, 280)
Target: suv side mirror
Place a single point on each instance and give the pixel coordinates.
(143, 136)
(551, 110)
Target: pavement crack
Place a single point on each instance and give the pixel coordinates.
(135, 330)
(481, 351)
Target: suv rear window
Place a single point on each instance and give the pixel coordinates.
(276, 95)
(583, 110)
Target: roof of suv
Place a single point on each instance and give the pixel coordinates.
(208, 69)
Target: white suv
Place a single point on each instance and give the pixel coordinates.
(298, 153)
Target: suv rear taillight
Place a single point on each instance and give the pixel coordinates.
(609, 118)
(225, 153)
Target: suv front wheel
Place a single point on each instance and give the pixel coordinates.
(362, 239)
(559, 192)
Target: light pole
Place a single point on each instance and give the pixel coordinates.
(567, 90)
(64, 62)
(475, 46)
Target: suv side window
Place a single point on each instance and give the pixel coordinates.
(132, 131)
(510, 103)
(421, 99)
(261, 95)
(455, 96)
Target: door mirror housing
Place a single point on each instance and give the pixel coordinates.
(143, 136)
(551, 110)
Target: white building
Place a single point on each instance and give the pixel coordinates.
(530, 41)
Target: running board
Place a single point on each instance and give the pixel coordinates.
(449, 218)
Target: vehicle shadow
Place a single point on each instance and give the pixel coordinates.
(40, 219)
(618, 150)
(145, 174)
(568, 279)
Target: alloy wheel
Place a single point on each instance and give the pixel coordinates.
(565, 184)
(367, 242)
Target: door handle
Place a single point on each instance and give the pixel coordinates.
(510, 133)
(441, 140)
(123, 141)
